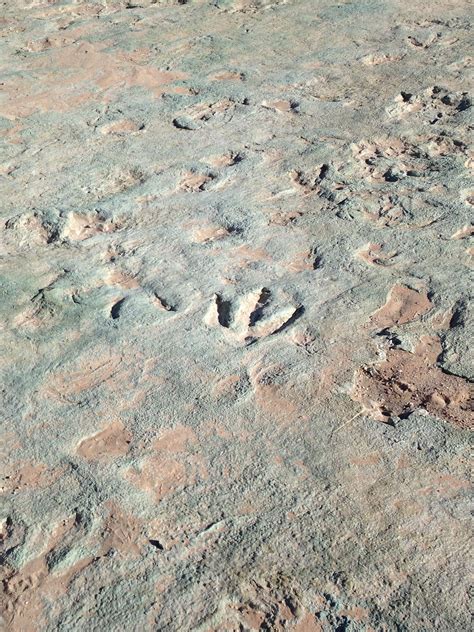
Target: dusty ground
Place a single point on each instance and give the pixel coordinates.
(235, 251)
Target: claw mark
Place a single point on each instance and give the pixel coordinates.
(251, 308)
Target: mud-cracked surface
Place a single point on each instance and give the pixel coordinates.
(234, 262)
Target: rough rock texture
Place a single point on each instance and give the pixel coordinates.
(234, 238)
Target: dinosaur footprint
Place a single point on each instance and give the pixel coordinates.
(198, 115)
(255, 316)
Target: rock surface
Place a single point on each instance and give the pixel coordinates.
(234, 241)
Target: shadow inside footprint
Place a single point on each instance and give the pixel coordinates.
(224, 311)
(263, 300)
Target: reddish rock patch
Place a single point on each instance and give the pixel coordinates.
(162, 475)
(109, 443)
(89, 374)
(28, 589)
(210, 233)
(122, 532)
(406, 381)
(308, 623)
(123, 126)
(403, 305)
(465, 231)
(171, 465)
(26, 476)
(373, 255)
(194, 182)
(227, 76)
(176, 440)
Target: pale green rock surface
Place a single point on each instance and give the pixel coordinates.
(203, 203)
